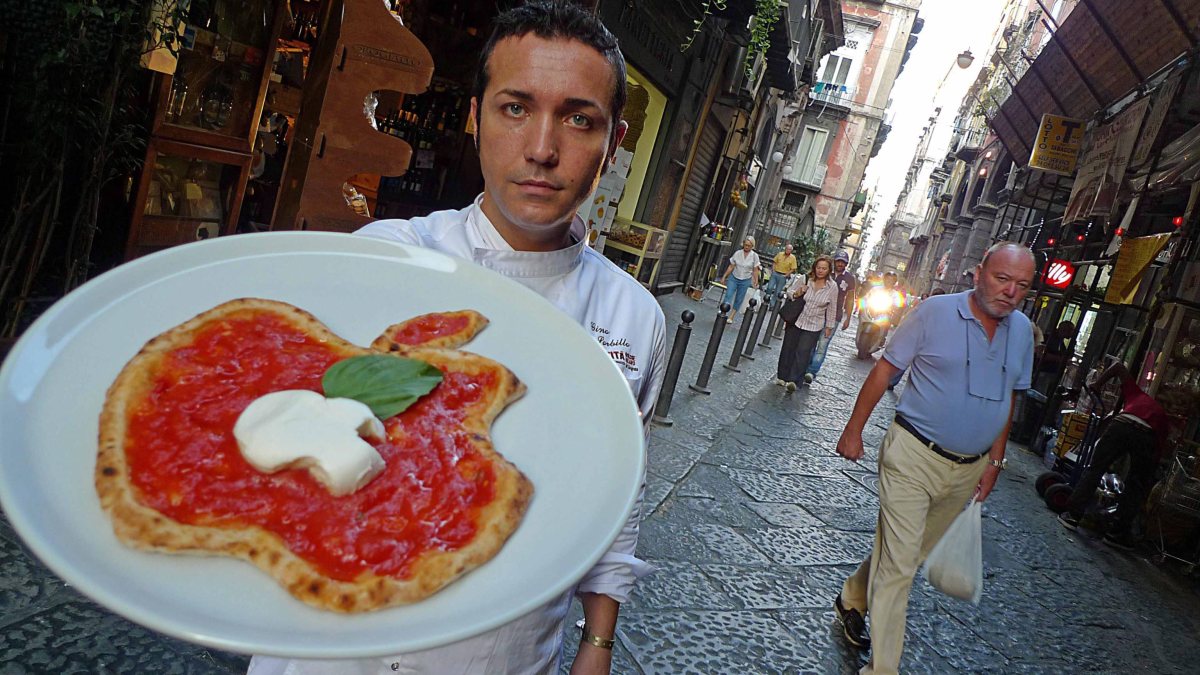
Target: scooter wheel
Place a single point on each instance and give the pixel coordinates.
(1057, 496)
(1047, 479)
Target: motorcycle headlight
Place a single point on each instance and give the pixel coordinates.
(879, 303)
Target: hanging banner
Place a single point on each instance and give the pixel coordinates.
(1102, 167)
(1160, 102)
(1056, 148)
(1132, 261)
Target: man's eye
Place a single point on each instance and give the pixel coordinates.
(579, 120)
(514, 109)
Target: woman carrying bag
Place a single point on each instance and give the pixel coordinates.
(819, 316)
(745, 267)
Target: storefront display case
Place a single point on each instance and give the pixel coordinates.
(206, 125)
(188, 193)
(636, 248)
(215, 95)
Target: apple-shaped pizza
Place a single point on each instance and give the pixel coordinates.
(358, 478)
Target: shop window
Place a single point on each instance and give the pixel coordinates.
(644, 111)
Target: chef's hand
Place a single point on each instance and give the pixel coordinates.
(850, 445)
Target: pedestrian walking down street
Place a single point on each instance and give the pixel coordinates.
(967, 354)
(1139, 431)
(783, 267)
(818, 318)
(745, 267)
(846, 284)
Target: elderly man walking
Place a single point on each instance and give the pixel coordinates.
(967, 353)
(783, 266)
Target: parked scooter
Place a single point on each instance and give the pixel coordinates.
(876, 312)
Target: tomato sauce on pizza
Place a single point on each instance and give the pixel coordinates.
(187, 465)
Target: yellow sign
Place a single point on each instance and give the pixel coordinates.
(1057, 147)
(1132, 261)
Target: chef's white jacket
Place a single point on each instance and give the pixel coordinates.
(628, 323)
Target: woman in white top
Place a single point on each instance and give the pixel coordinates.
(745, 267)
(819, 316)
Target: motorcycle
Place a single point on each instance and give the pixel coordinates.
(876, 313)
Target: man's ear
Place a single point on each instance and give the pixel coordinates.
(475, 116)
(618, 136)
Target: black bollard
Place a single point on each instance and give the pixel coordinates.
(682, 335)
(780, 324)
(710, 354)
(771, 325)
(743, 331)
(758, 323)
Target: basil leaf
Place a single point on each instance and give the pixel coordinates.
(388, 385)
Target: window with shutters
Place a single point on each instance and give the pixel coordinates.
(809, 166)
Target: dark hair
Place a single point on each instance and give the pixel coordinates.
(555, 19)
(937, 291)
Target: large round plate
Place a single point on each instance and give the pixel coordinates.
(575, 434)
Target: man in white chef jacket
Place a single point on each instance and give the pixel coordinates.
(547, 103)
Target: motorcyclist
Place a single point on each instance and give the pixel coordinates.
(878, 314)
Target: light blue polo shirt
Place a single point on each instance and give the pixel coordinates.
(960, 386)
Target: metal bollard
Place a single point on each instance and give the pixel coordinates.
(743, 331)
(771, 325)
(758, 323)
(710, 354)
(682, 335)
(780, 324)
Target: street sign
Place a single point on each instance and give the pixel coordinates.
(1057, 146)
(1059, 273)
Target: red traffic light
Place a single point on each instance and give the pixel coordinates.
(1177, 221)
(1079, 237)
(1051, 241)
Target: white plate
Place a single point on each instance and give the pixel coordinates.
(578, 410)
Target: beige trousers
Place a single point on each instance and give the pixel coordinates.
(920, 494)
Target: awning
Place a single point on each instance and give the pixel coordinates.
(1101, 52)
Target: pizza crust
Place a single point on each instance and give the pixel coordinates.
(142, 527)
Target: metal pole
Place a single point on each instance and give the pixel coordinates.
(710, 354)
(740, 341)
(758, 322)
(773, 310)
(682, 334)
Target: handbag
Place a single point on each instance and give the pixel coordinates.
(791, 309)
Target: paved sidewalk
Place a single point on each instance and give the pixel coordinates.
(753, 521)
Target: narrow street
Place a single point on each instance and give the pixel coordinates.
(752, 522)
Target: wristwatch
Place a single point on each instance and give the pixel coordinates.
(1001, 464)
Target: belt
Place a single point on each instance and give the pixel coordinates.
(953, 457)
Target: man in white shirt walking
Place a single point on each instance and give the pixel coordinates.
(548, 98)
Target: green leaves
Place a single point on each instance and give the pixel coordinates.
(388, 385)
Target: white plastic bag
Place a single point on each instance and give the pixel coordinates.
(955, 565)
(752, 294)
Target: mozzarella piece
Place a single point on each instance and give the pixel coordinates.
(303, 429)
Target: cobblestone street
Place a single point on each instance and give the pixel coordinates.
(753, 521)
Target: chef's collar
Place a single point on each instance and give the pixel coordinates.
(494, 253)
